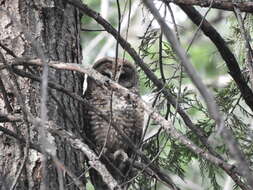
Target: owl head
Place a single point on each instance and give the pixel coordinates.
(125, 73)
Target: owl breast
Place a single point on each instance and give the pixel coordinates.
(122, 113)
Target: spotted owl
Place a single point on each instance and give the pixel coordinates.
(122, 112)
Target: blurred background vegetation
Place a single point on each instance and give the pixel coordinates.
(187, 170)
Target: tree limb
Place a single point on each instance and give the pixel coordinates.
(225, 52)
(218, 4)
(10, 118)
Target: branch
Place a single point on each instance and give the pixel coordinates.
(36, 147)
(17, 92)
(5, 96)
(10, 118)
(16, 136)
(218, 4)
(8, 51)
(227, 55)
(62, 166)
(93, 159)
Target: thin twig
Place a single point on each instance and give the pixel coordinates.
(92, 30)
(10, 52)
(16, 90)
(10, 118)
(5, 96)
(43, 114)
(180, 67)
(75, 179)
(199, 26)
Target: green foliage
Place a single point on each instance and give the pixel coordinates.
(204, 60)
(212, 172)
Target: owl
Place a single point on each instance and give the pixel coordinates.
(123, 113)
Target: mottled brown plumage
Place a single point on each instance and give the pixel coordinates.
(127, 117)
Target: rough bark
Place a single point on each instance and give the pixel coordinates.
(48, 30)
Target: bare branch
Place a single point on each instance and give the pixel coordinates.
(227, 55)
(10, 118)
(218, 4)
(61, 166)
(10, 52)
(93, 159)
(36, 147)
(42, 133)
(17, 92)
(5, 96)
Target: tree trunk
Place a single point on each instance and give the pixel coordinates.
(48, 30)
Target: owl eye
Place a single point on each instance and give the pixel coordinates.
(123, 77)
(106, 74)
(125, 80)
